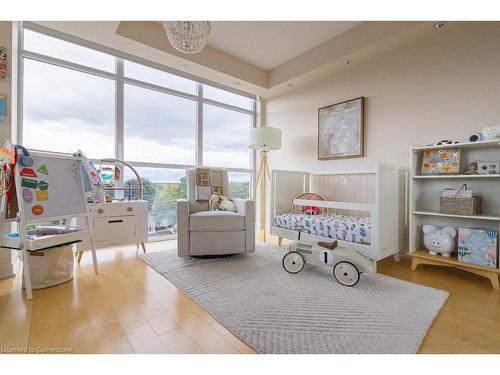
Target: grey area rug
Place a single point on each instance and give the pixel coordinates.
(309, 312)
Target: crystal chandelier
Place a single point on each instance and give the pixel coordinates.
(187, 36)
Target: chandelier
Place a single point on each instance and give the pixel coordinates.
(187, 36)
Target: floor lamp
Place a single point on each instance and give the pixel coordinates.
(264, 139)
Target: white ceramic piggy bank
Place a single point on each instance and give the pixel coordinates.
(442, 241)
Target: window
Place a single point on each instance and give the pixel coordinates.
(240, 184)
(158, 77)
(159, 128)
(162, 188)
(225, 137)
(65, 110)
(70, 103)
(53, 47)
(227, 97)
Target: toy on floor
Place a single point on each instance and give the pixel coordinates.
(347, 264)
(440, 241)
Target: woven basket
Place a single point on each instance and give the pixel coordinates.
(460, 206)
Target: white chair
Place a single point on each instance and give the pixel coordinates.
(203, 232)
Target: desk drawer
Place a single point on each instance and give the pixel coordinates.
(116, 229)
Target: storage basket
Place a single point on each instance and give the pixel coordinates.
(460, 206)
(51, 267)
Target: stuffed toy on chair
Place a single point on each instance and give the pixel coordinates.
(219, 202)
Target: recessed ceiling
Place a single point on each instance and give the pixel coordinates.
(267, 44)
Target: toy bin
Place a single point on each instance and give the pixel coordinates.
(478, 246)
(51, 267)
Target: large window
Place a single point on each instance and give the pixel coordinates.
(76, 95)
(159, 128)
(225, 137)
(66, 110)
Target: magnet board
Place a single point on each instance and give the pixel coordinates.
(51, 187)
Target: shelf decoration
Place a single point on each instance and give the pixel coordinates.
(459, 202)
(478, 246)
(488, 167)
(441, 161)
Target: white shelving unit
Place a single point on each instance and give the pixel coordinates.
(425, 191)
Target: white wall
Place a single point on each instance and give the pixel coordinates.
(6, 87)
(444, 85)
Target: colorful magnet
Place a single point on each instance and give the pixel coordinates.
(29, 183)
(26, 161)
(37, 209)
(42, 195)
(42, 185)
(27, 195)
(28, 172)
(43, 169)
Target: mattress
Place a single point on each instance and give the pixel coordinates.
(341, 227)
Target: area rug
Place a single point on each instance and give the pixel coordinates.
(309, 312)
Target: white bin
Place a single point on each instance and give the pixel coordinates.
(51, 267)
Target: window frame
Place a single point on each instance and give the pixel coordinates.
(120, 80)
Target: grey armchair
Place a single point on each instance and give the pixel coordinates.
(202, 232)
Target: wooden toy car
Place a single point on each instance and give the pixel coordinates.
(347, 264)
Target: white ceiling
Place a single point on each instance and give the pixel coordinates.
(267, 44)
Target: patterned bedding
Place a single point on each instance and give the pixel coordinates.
(341, 227)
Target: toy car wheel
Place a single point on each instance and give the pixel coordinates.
(346, 273)
(293, 262)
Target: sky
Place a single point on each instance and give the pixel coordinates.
(66, 110)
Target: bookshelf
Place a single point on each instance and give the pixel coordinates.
(425, 191)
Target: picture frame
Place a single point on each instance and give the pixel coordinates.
(341, 130)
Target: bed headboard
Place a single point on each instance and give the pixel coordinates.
(313, 210)
(285, 186)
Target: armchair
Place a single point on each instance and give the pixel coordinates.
(203, 232)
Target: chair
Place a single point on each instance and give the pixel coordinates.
(203, 232)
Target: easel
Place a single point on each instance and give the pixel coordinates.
(32, 211)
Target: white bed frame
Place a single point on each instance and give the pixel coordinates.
(388, 208)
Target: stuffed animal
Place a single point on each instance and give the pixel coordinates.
(311, 210)
(440, 241)
(471, 168)
(219, 202)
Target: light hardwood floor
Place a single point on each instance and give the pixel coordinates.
(129, 308)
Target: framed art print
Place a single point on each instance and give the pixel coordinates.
(340, 130)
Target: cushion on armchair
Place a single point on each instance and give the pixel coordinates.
(216, 221)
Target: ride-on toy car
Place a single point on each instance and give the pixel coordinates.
(347, 264)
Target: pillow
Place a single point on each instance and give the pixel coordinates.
(219, 202)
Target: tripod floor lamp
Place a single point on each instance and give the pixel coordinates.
(264, 139)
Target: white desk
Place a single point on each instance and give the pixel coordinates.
(118, 223)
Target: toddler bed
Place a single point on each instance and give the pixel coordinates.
(364, 210)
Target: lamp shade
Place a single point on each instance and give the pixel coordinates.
(265, 138)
